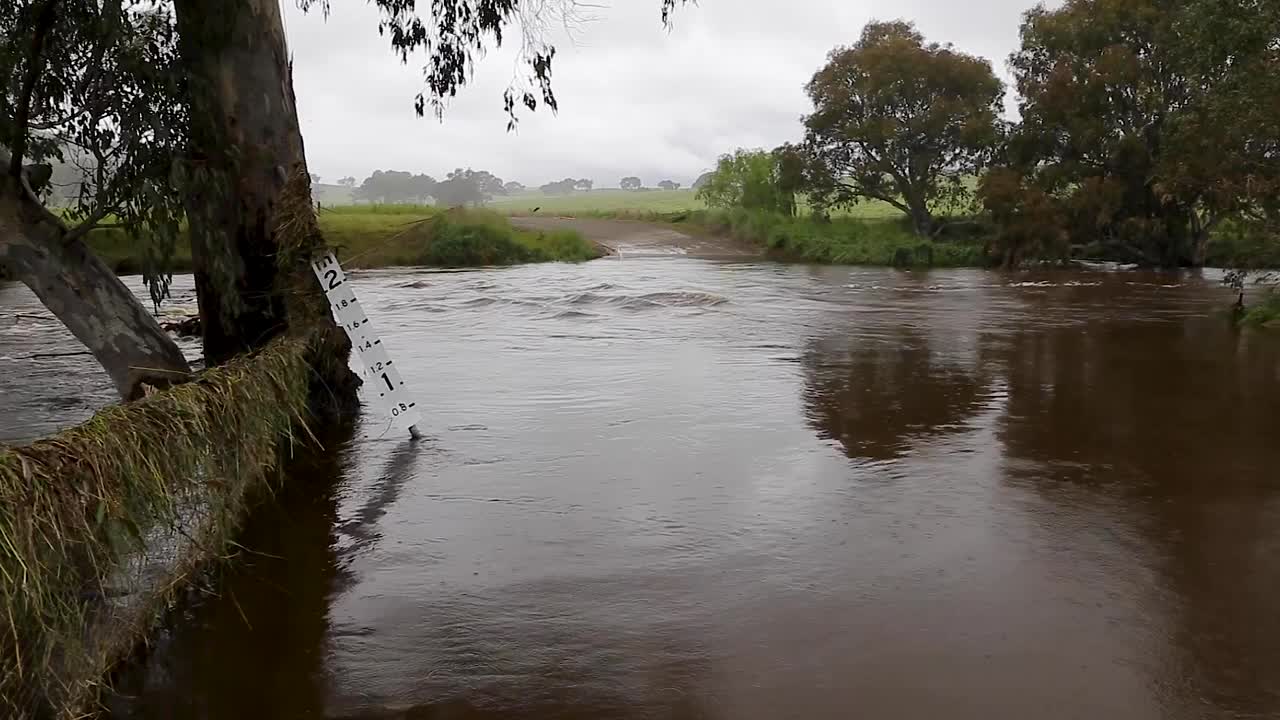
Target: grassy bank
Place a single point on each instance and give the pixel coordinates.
(103, 523)
(1264, 311)
(843, 240)
(597, 201)
(369, 236)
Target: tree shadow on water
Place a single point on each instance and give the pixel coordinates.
(252, 643)
(880, 398)
(1164, 434)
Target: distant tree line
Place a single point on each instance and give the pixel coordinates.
(634, 183)
(1145, 126)
(459, 188)
(566, 186)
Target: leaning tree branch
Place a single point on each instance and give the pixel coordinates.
(92, 222)
(35, 64)
(858, 189)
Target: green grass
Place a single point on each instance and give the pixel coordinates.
(369, 236)
(383, 236)
(124, 255)
(600, 203)
(1265, 311)
(884, 241)
(596, 201)
(1234, 244)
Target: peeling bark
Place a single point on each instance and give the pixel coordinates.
(82, 292)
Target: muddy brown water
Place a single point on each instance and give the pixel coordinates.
(691, 489)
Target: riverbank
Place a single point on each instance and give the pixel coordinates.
(886, 242)
(106, 522)
(874, 238)
(636, 238)
(1264, 312)
(373, 236)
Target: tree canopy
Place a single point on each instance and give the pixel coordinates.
(468, 187)
(396, 186)
(565, 186)
(456, 31)
(93, 90)
(631, 182)
(748, 179)
(900, 121)
(1150, 121)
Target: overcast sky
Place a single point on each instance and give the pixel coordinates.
(634, 98)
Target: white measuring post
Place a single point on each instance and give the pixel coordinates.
(379, 368)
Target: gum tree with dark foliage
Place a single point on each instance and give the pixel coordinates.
(1151, 122)
(901, 121)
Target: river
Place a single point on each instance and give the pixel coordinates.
(691, 489)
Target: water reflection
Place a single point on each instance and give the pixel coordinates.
(270, 612)
(1063, 503)
(880, 397)
(1184, 441)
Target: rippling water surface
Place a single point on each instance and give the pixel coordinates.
(685, 489)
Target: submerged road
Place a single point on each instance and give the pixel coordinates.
(626, 238)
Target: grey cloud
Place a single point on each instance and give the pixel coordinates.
(635, 98)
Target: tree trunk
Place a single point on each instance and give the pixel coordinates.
(82, 292)
(922, 220)
(247, 151)
(917, 210)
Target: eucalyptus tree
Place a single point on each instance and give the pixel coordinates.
(90, 86)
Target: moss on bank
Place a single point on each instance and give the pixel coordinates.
(370, 236)
(92, 518)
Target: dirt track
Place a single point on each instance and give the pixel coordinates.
(624, 238)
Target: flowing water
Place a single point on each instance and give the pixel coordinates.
(689, 489)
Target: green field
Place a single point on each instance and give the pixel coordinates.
(595, 201)
(609, 202)
(368, 236)
(873, 233)
(843, 240)
(585, 203)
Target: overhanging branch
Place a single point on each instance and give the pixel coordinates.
(35, 65)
